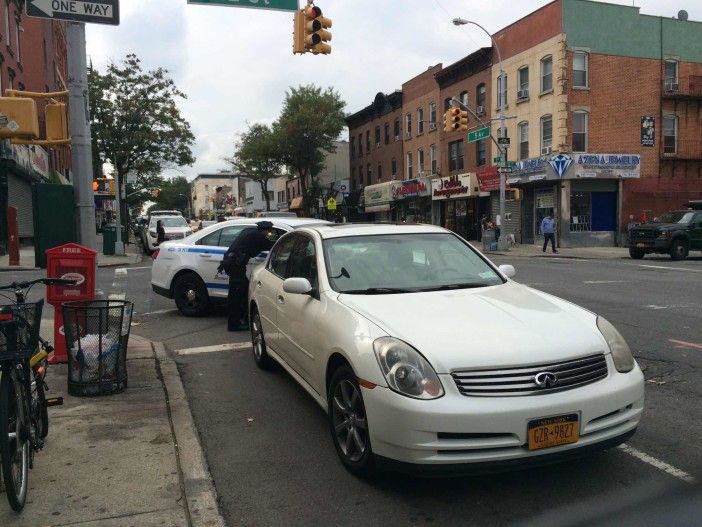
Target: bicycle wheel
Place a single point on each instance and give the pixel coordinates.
(14, 439)
(39, 410)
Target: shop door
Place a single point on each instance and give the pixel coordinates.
(604, 211)
(545, 204)
(462, 219)
(20, 196)
(528, 216)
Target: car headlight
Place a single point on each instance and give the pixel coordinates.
(405, 370)
(621, 354)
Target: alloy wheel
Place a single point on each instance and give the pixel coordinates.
(349, 421)
(257, 337)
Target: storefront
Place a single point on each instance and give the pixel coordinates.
(378, 200)
(457, 204)
(413, 200)
(489, 185)
(582, 190)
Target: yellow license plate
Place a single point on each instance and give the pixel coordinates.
(553, 431)
(641, 244)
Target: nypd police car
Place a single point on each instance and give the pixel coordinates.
(186, 270)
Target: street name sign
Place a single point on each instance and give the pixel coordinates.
(277, 5)
(503, 140)
(504, 170)
(477, 135)
(92, 11)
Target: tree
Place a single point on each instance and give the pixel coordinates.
(174, 195)
(136, 123)
(258, 156)
(310, 122)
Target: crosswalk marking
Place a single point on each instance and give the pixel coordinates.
(232, 346)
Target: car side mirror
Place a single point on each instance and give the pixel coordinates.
(508, 270)
(297, 286)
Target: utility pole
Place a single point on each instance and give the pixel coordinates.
(82, 165)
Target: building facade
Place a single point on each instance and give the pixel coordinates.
(222, 193)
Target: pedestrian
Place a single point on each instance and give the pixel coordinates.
(248, 244)
(548, 229)
(498, 225)
(160, 232)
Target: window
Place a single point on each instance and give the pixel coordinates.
(369, 174)
(432, 115)
(17, 40)
(546, 74)
(480, 93)
(377, 136)
(447, 104)
(280, 255)
(393, 167)
(481, 152)
(546, 134)
(353, 147)
(360, 144)
(670, 134)
(387, 133)
(368, 147)
(580, 211)
(7, 22)
(420, 121)
(523, 137)
(579, 131)
(432, 158)
(671, 75)
(222, 237)
(409, 165)
(420, 162)
(397, 129)
(456, 155)
(502, 91)
(464, 97)
(580, 69)
(303, 260)
(523, 87)
(380, 172)
(408, 124)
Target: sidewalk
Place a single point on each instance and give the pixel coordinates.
(133, 255)
(128, 459)
(582, 253)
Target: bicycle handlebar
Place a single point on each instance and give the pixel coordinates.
(46, 281)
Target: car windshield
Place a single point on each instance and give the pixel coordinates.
(678, 216)
(170, 221)
(404, 263)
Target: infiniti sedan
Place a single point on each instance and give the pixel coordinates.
(428, 357)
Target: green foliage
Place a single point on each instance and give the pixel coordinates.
(174, 195)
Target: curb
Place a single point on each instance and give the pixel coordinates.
(196, 482)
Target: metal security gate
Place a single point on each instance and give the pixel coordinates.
(19, 194)
(528, 215)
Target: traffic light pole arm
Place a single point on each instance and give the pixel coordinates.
(458, 101)
(41, 142)
(35, 95)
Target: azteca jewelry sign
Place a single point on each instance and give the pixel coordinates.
(607, 166)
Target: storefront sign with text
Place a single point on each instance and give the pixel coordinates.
(451, 187)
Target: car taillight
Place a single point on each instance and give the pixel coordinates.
(155, 255)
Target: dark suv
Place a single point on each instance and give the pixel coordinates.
(674, 233)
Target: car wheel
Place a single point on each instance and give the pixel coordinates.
(190, 295)
(636, 254)
(263, 360)
(678, 250)
(349, 424)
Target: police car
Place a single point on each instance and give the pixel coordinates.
(186, 270)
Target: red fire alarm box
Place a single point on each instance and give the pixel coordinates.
(74, 262)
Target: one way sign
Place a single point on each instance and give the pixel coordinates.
(93, 11)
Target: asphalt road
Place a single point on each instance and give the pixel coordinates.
(268, 445)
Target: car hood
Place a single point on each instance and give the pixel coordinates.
(491, 327)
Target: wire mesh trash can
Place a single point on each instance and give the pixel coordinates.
(97, 334)
(489, 243)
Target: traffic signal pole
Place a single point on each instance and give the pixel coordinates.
(81, 155)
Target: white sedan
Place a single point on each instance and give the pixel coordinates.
(186, 271)
(427, 356)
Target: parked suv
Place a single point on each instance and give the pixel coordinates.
(675, 233)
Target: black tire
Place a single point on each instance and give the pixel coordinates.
(15, 452)
(41, 412)
(258, 341)
(348, 424)
(190, 295)
(679, 250)
(636, 254)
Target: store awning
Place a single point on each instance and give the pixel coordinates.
(296, 203)
(379, 197)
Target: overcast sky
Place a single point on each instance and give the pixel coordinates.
(235, 64)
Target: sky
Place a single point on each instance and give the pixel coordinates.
(235, 64)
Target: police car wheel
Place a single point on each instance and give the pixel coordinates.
(190, 295)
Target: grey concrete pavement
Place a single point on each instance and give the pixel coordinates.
(128, 459)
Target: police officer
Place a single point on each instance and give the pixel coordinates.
(248, 244)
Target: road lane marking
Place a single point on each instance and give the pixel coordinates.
(158, 312)
(603, 281)
(657, 463)
(686, 344)
(671, 268)
(672, 306)
(121, 271)
(232, 346)
(117, 296)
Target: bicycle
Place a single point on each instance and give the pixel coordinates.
(24, 421)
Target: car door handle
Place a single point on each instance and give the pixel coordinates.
(205, 255)
(281, 299)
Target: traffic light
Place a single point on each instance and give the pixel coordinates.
(462, 121)
(18, 118)
(454, 118)
(56, 122)
(155, 192)
(447, 121)
(310, 31)
(96, 185)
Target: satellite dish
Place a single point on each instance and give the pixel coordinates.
(682, 15)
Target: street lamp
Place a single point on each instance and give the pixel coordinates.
(503, 130)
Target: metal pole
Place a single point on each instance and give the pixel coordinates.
(82, 166)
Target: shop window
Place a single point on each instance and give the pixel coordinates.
(546, 134)
(580, 211)
(580, 131)
(481, 152)
(409, 165)
(593, 211)
(670, 134)
(580, 60)
(546, 74)
(455, 155)
(420, 121)
(523, 137)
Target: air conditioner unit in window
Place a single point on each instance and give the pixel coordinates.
(522, 94)
(671, 85)
(546, 150)
(432, 126)
(480, 110)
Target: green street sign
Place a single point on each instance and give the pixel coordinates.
(278, 5)
(477, 135)
(511, 163)
(497, 159)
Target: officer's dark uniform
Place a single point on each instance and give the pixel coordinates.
(248, 244)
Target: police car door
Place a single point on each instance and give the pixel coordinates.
(209, 251)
